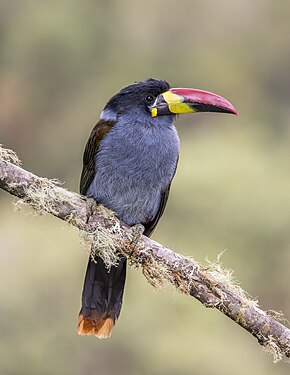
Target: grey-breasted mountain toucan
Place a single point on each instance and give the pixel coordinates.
(128, 165)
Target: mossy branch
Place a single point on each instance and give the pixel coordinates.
(211, 285)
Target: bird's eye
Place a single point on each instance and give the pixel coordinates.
(149, 99)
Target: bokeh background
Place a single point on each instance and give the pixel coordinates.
(59, 63)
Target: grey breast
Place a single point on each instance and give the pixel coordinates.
(134, 165)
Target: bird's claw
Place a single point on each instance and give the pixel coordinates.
(91, 206)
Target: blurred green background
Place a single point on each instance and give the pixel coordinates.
(60, 61)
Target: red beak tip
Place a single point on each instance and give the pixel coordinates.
(205, 97)
(235, 112)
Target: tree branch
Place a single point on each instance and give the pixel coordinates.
(105, 234)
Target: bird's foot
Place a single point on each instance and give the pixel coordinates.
(137, 232)
(91, 207)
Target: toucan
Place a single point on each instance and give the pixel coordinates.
(128, 165)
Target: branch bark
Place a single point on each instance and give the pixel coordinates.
(211, 285)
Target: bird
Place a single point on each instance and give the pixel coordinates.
(129, 162)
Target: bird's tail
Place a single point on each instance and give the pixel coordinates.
(102, 298)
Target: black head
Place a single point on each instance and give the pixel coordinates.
(140, 95)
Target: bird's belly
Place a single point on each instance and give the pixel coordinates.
(133, 201)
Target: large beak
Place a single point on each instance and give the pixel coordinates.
(177, 101)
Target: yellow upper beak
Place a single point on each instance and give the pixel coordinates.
(171, 102)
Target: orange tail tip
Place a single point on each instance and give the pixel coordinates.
(101, 329)
(105, 330)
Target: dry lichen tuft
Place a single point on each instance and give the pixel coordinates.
(272, 348)
(46, 196)
(42, 196)
(9, 155)
(101, 243)
(157, 273)
(224, 276)
(279, 316)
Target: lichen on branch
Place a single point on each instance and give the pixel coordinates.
(9, 155)
(102, 232)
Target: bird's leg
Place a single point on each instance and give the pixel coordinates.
(137, 231)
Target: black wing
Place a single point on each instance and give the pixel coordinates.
(149, 227)
(97, 134)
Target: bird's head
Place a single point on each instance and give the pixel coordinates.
(137, 98)
(154, 97)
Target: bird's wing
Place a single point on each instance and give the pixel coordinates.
(149, 227)
(97, 134)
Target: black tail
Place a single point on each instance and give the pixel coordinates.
(101, 298)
